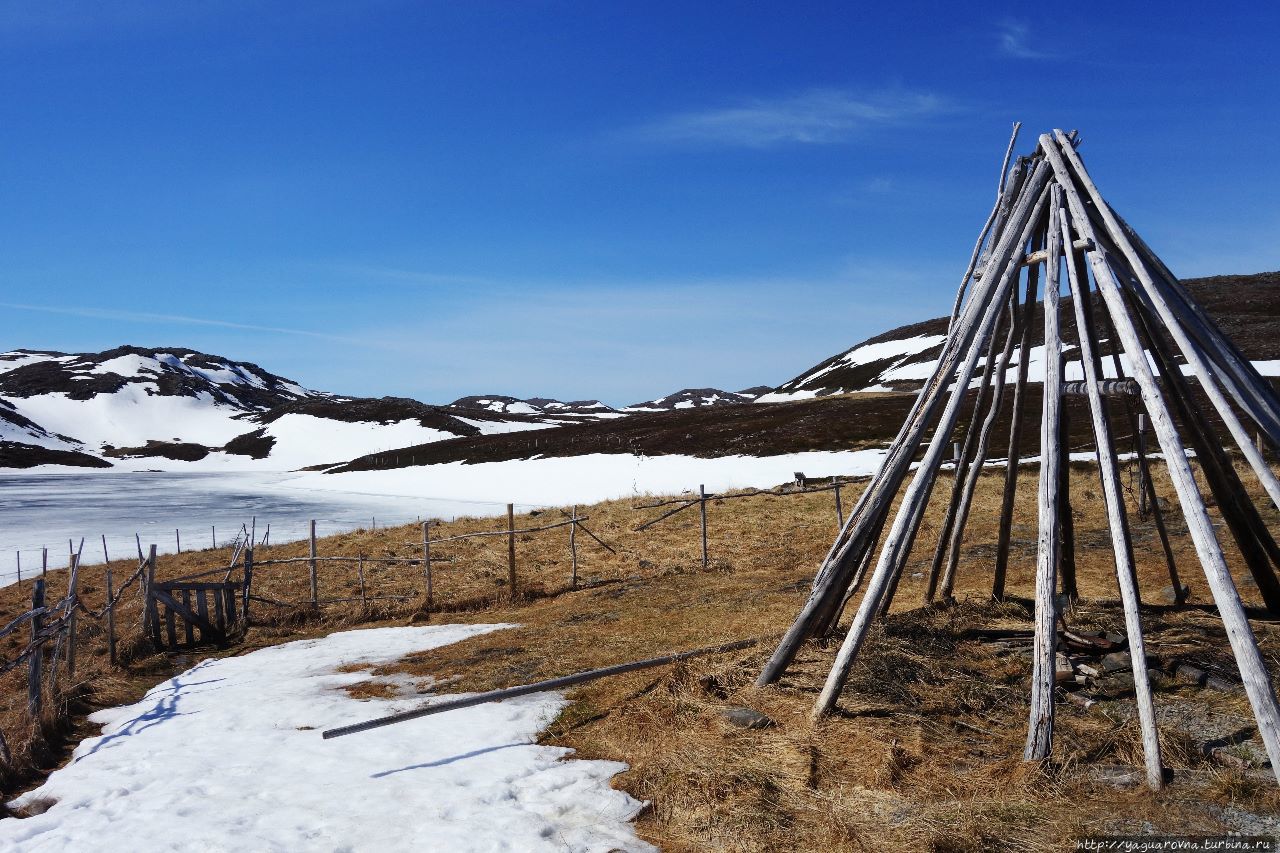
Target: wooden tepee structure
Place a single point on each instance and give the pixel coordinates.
(1050, 231)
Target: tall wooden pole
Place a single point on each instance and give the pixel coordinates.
(311, 567)
(1121, 543)
(702, 508)
(573, 546)
(426, 559)
(511, 548)
(1254, 674)
(111, 618)
(1048, 551)
(35, 663)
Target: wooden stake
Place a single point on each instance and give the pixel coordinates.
(1121, 544)
(314, 577)
(35, 663)
(73, 585)
(1254, 674)
(426, 560)
(511, 548)
(177, 537)
(360, 569)
(1048, 552)
(111, 617)
(702, 508)
(248, 585)
(839, 509)
(573, 546)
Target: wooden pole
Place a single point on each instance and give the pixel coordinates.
(839, 509)
(537, 687)
(1121, 543)
(73, 585)
(248, 585)
(360, 569)
(426, 559)
(35, 663)
(898, 541)
(314, 578)
(18, 554)
(44, 562)
(111, 618)
(702, 509)
(511, 548)
(1048, 552)
(213, 535)
(177, 537)
(1005, 527)
(866, 520)
(1066, 517)
(980, 454)
(1143, 475)
(573, 547)
(1254, 674)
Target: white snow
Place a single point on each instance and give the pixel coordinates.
(559, 481)
(228, 757)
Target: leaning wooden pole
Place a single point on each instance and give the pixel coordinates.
(1005, 525)
(897, 542)
(1121, 544)
(537, 687)
(1049, 545)
(867, 519)
(1253, 671)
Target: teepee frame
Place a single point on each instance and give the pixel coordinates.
(1050, 224)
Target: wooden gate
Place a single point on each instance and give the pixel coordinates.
(188, 608)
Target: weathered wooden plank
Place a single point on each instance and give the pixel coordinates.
(208, 629)
(188, 624)
(35, 663)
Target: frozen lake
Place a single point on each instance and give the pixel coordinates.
(45, 510)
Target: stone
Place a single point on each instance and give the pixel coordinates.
(1117, 662)
(747, 718)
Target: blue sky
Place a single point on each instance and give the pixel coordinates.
(594, 199)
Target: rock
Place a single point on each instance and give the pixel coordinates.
(1117, 662)
(1168, 595)
(1118, 639)
(746, 718)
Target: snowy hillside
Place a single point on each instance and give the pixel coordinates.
(176, 409)
(696, 398)
(1247, 308)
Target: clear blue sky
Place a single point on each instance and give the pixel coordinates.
(593, 199)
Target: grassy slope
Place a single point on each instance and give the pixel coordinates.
(924, 754)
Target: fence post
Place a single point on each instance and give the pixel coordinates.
(248, 585)
(702, 507)
(573, 545)
(111, 618)
(19, 556)
(35, 664)
(177, 537)
(511, 548)
(149, 614)
(72, 586)
(213, 534)
(839, 509)
(360, 569)
(315, 581)
(426, 558)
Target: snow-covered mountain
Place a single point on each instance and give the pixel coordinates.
(536, 407)
(1246, 307)
(697, 398)
(177, 408)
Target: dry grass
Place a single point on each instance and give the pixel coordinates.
(924, 753)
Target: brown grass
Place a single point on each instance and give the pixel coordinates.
(924, 753)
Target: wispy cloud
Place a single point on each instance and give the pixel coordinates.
(1013, 41)
(815, 117)
(146, 317)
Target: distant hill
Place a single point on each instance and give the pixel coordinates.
(1247, 307)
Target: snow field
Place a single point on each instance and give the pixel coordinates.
(228, 756)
